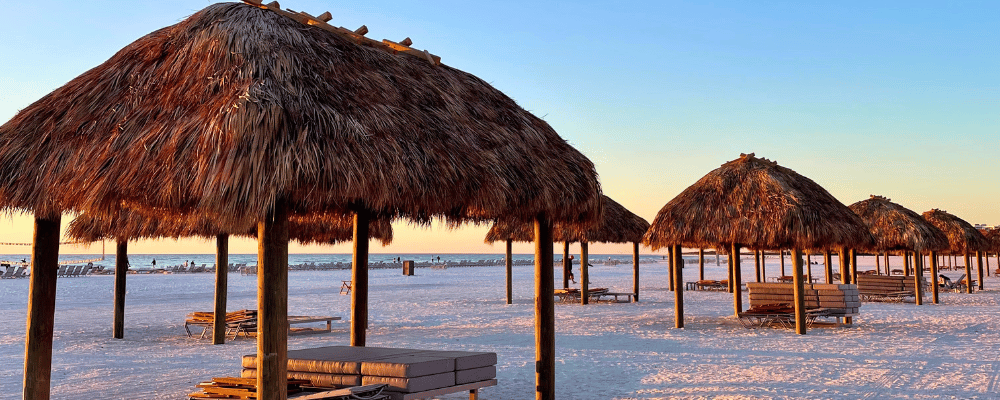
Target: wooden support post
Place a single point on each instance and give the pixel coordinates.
(845, 265)
(799, 291)
(221, 288)
(678, 271)
(878, 266)
(782, 253)
(729, 271)
(756, 264)
(121, 269)
(968, 272)
(635, 271)
(584, 273)
(567, 265)
(906, 263)
(701, 264)
(717, 257)
(41, 309)
(809, 266)
(934, 277)
(359, 279)
(917, 277)
(509, 264)
(828, 263)
(670, 275)
(272, 303)
(737, 280)
(763, 265)
(887, 270)
(854, 266)
(545, 327)
(979, 264)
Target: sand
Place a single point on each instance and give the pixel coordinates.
(604, 351)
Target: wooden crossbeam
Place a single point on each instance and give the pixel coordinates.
(357, 36)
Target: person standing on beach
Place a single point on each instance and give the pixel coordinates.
(569, 269)
(154, 262)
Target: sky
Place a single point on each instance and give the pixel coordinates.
(894, 98)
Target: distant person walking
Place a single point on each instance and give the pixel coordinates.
(569, 269)
(154, 262)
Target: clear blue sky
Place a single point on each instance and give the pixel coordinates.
(898, 98)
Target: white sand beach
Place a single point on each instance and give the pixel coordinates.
(604, 351)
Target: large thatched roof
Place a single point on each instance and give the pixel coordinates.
(131, 225)
(962, 236)
(992, 239)
(617, 225)
(758, 204)
(238, 107)
(895, 227)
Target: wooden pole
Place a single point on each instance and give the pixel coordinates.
(934, 277)
(717, 258)
(828, 263)
(41, 308)
(567, 265)
(782, 252)
(272, 303)
(737, 278)
(854, 266)
(545, 327)
(799, 291)
(845, 265)
(121, 269)
(670, 276)
(756, 264)
(509, 264)
(887, 270)
(878, 267)
(678, 272)
(979, 264)
(906, 264)
(635, 271)
(729, 271)
(763, 265)
(701, 264)
(221, 288)
(968, 272)
(809, 266)
(917, 277)
(584, 273)
(359, 279)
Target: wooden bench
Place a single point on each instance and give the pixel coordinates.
(887, 288)
(569, 295)
(821, 299)
(606, 297)
(302, 319)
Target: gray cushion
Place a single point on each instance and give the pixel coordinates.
(408, 366)
(410, 385)
(319, 380)
(475, 375)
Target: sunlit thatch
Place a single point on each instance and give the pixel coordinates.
(131, 225)
(962, 236)
(236, 107)
(617, 225)
(992, 240)
(758, 204)
(895, 227)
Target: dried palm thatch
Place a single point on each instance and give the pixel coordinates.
(962, 236)
(758, 204)
(617, 225)
(992, 240)
(237, 107)
(132, 225)
(895, 227)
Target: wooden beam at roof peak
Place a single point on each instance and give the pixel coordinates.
(362, 30)
(406, 42)
(325, 17)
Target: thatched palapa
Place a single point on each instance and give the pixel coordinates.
(237, 107)
(617, 225)
(992, 240)
(759, 204)
(963, 238)
(895, 227)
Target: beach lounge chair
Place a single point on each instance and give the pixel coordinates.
(9, 273)
(19, 272)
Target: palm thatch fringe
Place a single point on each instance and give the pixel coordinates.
(895, 227)
(236, 107)
(617, 225)
(992, 239)
(325, 228)
(760, 205)
(962, 236)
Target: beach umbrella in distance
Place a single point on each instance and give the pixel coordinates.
(993, 246)
(756, 203)
(125, 225)
(246, 113)
(616, 225)
(963, 239)
(897, 228)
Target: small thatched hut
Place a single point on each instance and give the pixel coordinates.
(993, 246)
(756, 203)
(126, 225)
(247, 113)
(897, 228)
(617, 225)
(963, 239)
